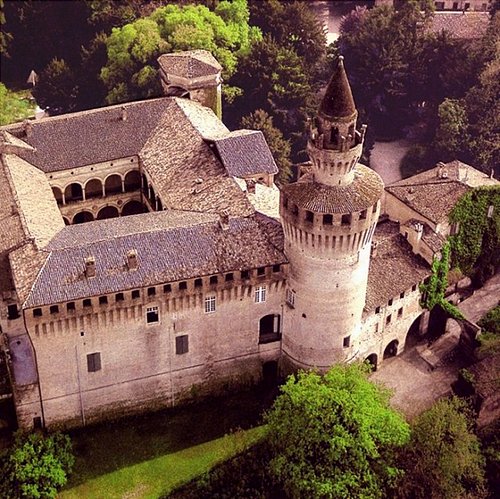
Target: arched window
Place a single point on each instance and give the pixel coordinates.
(133, 208)
(108, 212)
(391, 350)
(73, 192)
(372, 360)
(132, 181)
(57, 194)
(113, 184)
(83, 217)
(93, 189)
(269, 328)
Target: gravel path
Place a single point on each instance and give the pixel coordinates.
(386, 157)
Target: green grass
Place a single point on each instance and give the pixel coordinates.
(149, 456)
(15, 106)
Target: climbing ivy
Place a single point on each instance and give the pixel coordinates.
(476, 245)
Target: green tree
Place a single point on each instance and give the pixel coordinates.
(451, 131)
(13, 107)
(335, 435)
(280, 148)
(56, 89)
(36, 466)
(443, 459)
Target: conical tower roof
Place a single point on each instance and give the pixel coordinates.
(338, 101)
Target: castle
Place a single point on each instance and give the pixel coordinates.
(146, 255)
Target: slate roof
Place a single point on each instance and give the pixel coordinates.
(245, 153)
(394, 268)
(190, 64)
(338, 101)
(174, 247)
(364, 191)
(463, 25)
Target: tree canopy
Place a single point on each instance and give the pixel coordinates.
(335, 435)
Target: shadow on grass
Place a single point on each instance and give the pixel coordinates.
(106, 447)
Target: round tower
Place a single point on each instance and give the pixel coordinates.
(329, 216)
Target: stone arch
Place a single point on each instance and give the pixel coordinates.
(132, 181)
(391, 350)
(113, 184)
(133, 208)
(83, 217)
(93, 188)
(58, 195)
(108, 212)
(414, 335)
(372, 360)
(73, 192)
(269, 328)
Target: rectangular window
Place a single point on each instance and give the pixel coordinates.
(309, 216)
(167, 288)
(245, 274)
(213, 279)
(261, 270)
(390, 302)
(400, 312)
(152, 315)
(54, 309)
(12, 312)
(119, 297)
(103, 300)
(209, 304)
(276, 268)
(290, 297)
(229, 277)
(70, 306)
(87, 302)
(198, 283)
(37, 312)
(414, 287)
(402, 295)
(93, 362)
(388, 319)
(346, 219)
(328, 219)
(136, 294)
(151, 291)
(181, 344)
(362, 215)
(347, 342)
(183, 285)
(377, 310)
(260, 294)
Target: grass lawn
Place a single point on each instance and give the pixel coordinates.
(149, 456)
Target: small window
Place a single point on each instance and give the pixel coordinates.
(151, 291)
(290, 297)
(183, 285)
(362, 215)
(70, 306)
(309, 216)
(346, 219)
(388, 319)
(376, 327)
(119, 297)
(245, 274)
(328, 219)
(12, 312)
(213, 279)
(276, 268)
(414, 287)
(93, 362)
(347, 342)
(261, 270)
(103, 300)
(54, 309)
(402, 294)
(37, 312)
(229, 277)
(87, 302)
(400, 312)
(390, 302)
(374, 209)
(198, 283)
(295, 210)
(181, 344)
(260, 294)
(152, 315)
(209, 304)
(167, 288)
(377, 310)
(136, 294)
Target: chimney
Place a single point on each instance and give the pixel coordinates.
(28, 128)
(132, 262)
(90, 266)
(224, 221)
(419, 228)
(124, 113)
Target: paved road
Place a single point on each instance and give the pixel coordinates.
(483, 300)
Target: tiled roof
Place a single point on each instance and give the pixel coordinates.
(244, 153)
(190, 64)
(365, 190)
(464, 25)
(394, 268)
(338, 101)
(185, 172)
(88, 137)
(168, 252)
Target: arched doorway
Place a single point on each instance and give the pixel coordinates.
(391, 350)
(269, 328)
(58, 195)
(113, 184)
(93, 189)
(372, 360)
(107, 212)
(133, 208)
(83, 217)
(414, 336)
(73, 192)
(132, 181)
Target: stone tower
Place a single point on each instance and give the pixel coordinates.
(329, 216)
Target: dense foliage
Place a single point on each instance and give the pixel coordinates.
(335, 435)
(443, 459)
(36, 466)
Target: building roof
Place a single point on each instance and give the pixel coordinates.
(338, 101)
(364, 191)
(175, 247)
(245, 153)
(393, 268)
(463, 25)
(190, 64)
(435, 192)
